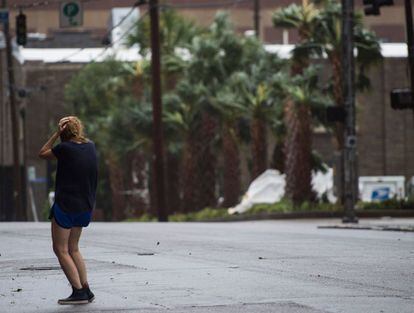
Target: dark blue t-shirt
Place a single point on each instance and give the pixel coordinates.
(76, 176)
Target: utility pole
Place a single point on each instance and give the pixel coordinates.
(17, 184)
(257, 18)
(410, 45)
(350, 157)
(157, 113)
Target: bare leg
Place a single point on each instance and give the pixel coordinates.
(76, 255)
(60, 238)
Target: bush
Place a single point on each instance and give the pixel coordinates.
(286, 206)
(143, 218)
(283, 206)
(205, 214)
(392, 204)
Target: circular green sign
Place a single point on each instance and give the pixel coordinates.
(71, 9)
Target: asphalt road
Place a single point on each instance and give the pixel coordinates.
(260, 267)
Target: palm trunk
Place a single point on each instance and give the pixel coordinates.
(207, 162)
(117, 186)
(231, 171)
(338, 138)
(173, 183)
(137, 182)
(189, 177)
(278, 157)
(298, 145)
(259, 146)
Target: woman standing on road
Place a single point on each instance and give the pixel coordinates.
(76, 180)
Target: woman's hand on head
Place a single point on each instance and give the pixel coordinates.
(62, 123)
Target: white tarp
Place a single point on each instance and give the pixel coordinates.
(323, 183)
(269, 187)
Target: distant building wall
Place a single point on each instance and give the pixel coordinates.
(6, 143)
(390, 25)
(44, 106)
(386, 136)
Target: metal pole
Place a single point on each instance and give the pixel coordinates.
(17, 185)
(157, 113)
(350, 164)
(410, 42)
(257, 18)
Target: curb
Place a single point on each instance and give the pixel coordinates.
(401, 228)
(309, 215)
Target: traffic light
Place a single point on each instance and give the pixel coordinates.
(21, 29)
(372, 7)
(335, 114)
(402, 99)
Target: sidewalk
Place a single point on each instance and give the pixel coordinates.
(262, 266)
(384, 224)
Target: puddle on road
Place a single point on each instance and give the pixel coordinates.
(50, 266)
(40, 268)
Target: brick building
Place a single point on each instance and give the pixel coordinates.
(389, 26)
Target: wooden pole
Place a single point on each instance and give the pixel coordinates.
(157, 113)
(17, 184)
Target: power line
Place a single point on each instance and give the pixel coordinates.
(178, 6)
(120, 38)
(204, 5)
(43, 3)
(136, 4)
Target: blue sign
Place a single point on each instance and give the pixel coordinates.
(380, 194)
(4, 16)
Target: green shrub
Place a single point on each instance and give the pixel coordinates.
(283, 206)
(392, 204)
(205, 214)
(143, 218)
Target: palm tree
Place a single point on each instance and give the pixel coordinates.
(176, 34)
(320, 31)
(215, 55)
(327, 41)
(252, 83)
(297, 152)
(303, 97)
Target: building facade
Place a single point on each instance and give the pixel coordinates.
(389, 26)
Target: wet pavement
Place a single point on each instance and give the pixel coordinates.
(264, 266)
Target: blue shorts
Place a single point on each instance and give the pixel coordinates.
(69, 220)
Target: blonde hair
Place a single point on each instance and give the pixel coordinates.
(73, 130)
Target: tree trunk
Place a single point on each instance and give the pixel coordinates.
(298, 145)
(231, 171)
(338, 138)
(259, 146)
(173, 183)
(189, 177)
(206, 162)
(137, 182)
(117, 186)
(278, 156)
